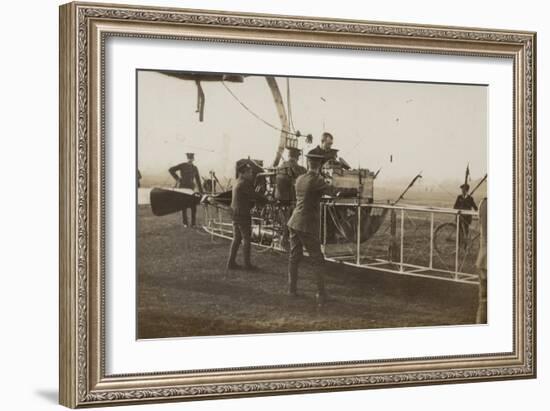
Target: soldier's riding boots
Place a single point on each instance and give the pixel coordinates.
(320, 297)
(299, 240)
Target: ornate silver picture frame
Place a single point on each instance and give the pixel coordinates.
(85, 28)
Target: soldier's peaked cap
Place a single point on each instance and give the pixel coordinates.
(466, 186)
(294, 151)
(247, 163)
(314, 156)
(190, 156)
(243, 166)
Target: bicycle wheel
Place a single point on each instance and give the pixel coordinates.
(445, 240)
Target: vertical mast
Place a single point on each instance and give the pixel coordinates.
(285, 127)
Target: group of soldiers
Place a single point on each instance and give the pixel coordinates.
(298, 192)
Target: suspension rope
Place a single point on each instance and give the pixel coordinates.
(267, 123)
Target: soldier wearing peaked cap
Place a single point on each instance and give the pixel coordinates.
(256, 168)
(243, 197)
(187, 178)
(464, 201)
(303, 226)
(329, 154)
(285, 192)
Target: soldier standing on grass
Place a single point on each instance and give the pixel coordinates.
(188, 176)
(304, 227)
(285, 192)
(242, 201)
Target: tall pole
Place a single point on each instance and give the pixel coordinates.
(358, 260)
(402, 238)
(285, 126)
(419, 175)
(457, 245)
(478, 184)
(431, 239)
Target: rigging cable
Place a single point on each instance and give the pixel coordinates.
(267, 123)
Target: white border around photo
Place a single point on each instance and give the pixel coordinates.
(125, 354)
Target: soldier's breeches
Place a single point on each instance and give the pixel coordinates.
(193, 215)
(309, 241)
(284, 216)
(234, 247)
(241, 233)
(464, 229)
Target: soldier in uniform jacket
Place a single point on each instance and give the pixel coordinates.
(464, 201)
(329, 154)
(187, 178)
(304, 226)
(242, 200)
(285, 191)
(325, 149)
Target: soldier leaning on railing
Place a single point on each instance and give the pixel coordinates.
(304, 223)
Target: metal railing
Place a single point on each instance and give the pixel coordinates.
(452, 262)
(447, 270)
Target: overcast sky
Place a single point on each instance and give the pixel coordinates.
(434, 128)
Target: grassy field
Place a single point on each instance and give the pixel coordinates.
(184, 290)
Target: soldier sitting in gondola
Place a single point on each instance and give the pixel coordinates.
(329, 155)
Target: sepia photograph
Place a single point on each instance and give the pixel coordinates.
(256, 204)
(270, 204)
